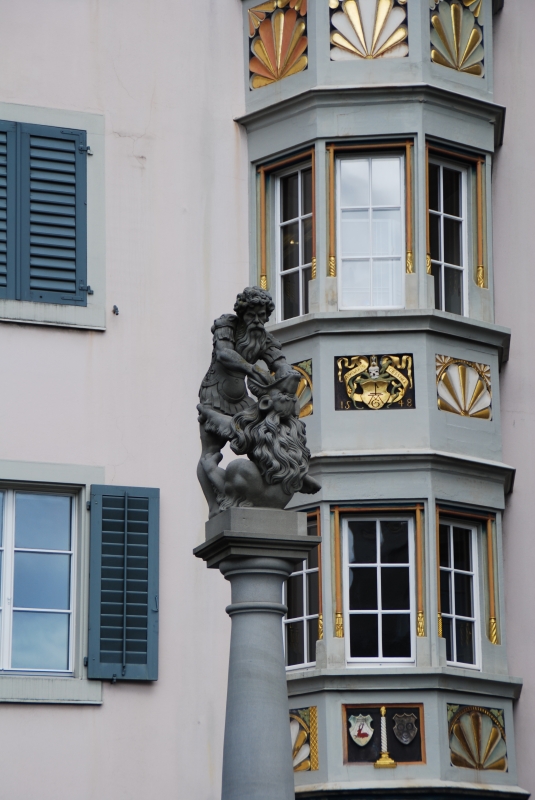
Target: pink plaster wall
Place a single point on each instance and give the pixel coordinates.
(168, 76)
(514, 248)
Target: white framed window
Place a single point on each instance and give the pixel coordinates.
(301, 595)
(371, 231)
(448, 209)
(37, 557)
(458, 592)
(293, 214)
(379, 592)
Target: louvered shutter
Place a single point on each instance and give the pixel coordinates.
(8, 206)
(123, 583)
(53, 220)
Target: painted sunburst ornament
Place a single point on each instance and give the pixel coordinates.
(456, 37)
(280, 46)
(368, 29)
(464, 387)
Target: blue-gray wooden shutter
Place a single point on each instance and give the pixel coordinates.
(123, 583)
(52, 207)
(8, 207)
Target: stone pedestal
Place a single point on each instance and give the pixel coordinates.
(256, 549)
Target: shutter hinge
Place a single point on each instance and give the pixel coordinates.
(85, 661)
(88, 505)
(155, 603)
(87, 288)
(85, 148)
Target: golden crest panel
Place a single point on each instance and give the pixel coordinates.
(278, 47)
(304, 735)
(464, 387)
(373, 382)
(477, 738)
(456, 35)
(368, 29)
(305, 389)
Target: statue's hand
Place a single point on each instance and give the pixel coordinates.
(261, 375)
(202, 414)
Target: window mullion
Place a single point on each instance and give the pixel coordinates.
(7, 579)
(379, 587)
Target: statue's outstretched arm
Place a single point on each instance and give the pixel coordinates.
(232, 360)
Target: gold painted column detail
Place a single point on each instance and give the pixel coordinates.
(338, 607)
(331, 270)
(439, 607)
(480, 272)
(420, 628)
(493, 626)
(409, 266)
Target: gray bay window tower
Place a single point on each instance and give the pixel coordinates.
(371, 133)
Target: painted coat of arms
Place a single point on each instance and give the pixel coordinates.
(405, 727)
(360, 729)
(373, 382)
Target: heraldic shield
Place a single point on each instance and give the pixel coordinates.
(361, 730)
(405, 727)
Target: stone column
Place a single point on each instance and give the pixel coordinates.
(256, 549)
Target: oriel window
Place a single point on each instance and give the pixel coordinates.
(447, 235)
(294, 211)
(457, 597)
(303, 601)
(379, 589)
(371, 239)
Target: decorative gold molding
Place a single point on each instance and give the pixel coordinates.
(456, 38)
(278, 49)
(352, 39)
(439, 624)
(464, 387)
(477, 738)
(263, 282)
(332, 267)
(428, 268)
(409, 266)
(314, 268)
(320, 624)
(314, 750)
(339, 626)
(493, 630)
(384, 761)
(420, 627)
(305, 390)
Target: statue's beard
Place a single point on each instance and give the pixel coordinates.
(277, 446)
(250, 342)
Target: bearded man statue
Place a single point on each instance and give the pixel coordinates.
(273, 437)
(240, 340)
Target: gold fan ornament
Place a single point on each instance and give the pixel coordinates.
(463, 387)
(259, 13)
(368, 29)
(279, 49)
(477, 740)
(456, 37)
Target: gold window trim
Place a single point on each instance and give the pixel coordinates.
(407, 146)
(266, 169)
(338, 580)
(478, 162)
(489, 520)
(310, 515)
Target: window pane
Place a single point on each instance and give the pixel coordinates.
(312, 526)
(444, 540)
(356, 283)
(355, 182)
(395, 593)
(445, 592)
(355, 233)
(307, 276)
(394, 542)
(294, 596)
(451, 184)
(40, 641)
(386, 283)
(295, 643)
(464, 639)
(42, 580)
(313, 593)
(447, 633)
(434, 237)
(453, 290)
(312, 638)
(290, 245)
(306, 191)
(396, 635)
(452, 241)
(362, 539)
(386, 232)
(461, 549)
(290, 197)
(386, 183)
(312, 560)
(363, 636)
(434, 185)
(463, 595)
(362, 588)
(290, 295)
(307, 240)
(436, 271)
(42, 521)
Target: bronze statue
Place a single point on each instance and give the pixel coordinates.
(269, 431)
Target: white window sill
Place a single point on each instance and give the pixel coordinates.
(49, 689)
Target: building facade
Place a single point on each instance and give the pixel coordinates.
(365, 161)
